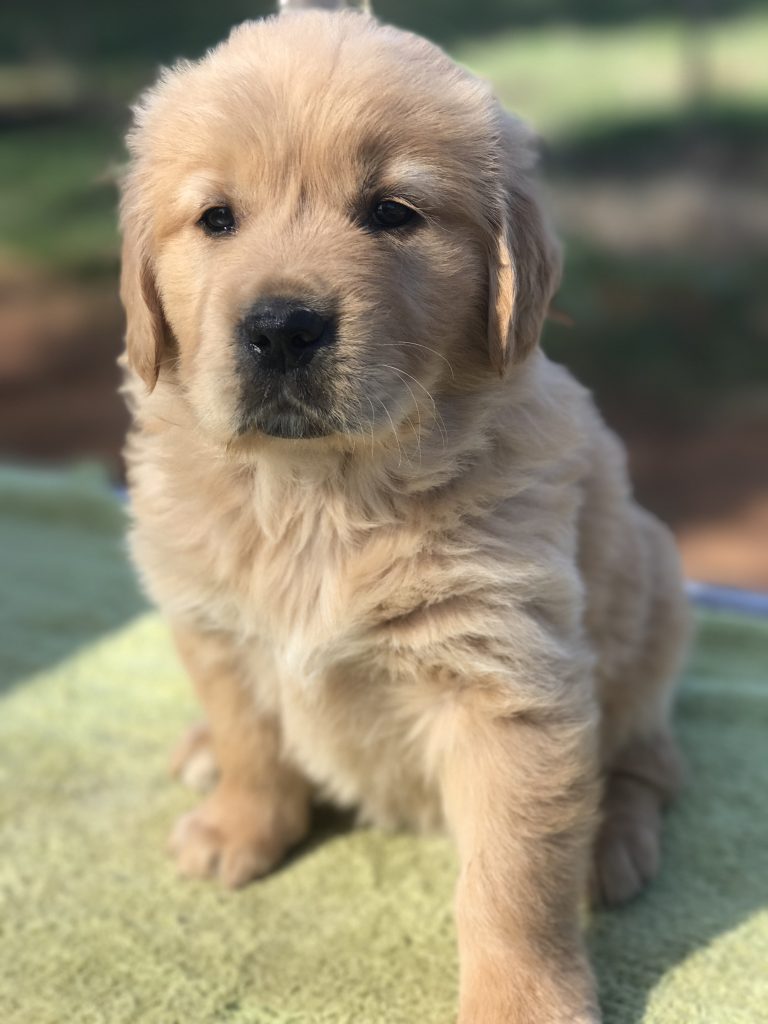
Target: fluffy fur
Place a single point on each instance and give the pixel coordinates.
(447, 610)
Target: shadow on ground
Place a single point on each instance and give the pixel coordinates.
(679, 953)
(67, 581)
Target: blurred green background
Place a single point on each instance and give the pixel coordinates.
(654, 119)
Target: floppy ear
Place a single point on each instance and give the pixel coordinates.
(147, 335)
(524, 255)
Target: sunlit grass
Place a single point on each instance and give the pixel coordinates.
(57, 205)
(567, 78)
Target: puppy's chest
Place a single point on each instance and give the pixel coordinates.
(295, 593)
(310, 613)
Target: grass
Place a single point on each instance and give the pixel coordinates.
(660, 335)
(57, 203)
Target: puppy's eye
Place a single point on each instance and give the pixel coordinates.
(218, 220)
(387, 215)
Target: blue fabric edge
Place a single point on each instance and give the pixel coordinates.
(730, 599)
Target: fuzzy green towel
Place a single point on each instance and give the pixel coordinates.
(96, 929)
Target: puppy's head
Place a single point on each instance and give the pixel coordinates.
(327, 223)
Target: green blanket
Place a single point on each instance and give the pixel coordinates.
(96, 929)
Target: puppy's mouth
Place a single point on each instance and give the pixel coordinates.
(290, 425)
(280, 412)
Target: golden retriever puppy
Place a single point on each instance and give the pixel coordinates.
(396, 544)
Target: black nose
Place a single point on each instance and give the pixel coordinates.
(284, 334)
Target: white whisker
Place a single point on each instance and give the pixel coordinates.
(413, 344)
(439, 422)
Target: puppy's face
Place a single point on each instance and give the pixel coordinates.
(317, 232)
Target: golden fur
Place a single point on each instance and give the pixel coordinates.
(447, 609)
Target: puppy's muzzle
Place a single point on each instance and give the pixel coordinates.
(281, 335)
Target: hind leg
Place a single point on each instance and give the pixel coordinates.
(642, 780)
(642, 768)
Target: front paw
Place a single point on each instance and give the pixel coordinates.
(236, 836)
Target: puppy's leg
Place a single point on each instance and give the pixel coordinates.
(641, 781)
(642, 765)
(521, 799)
(259, 807)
